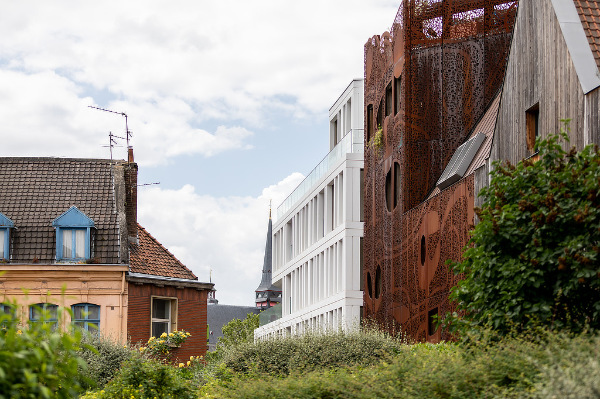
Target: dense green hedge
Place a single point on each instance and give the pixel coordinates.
(538, 365)
(312, 351)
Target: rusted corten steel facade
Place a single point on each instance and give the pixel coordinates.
(427, 83)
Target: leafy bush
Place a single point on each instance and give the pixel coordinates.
(534, 256)
(39, 361)
(489, 366)
(103, 357)
(572, 371)
(143, 378)
(311, 351)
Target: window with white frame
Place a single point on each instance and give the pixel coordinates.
(73, 243)
(164, 315)
(2, 245)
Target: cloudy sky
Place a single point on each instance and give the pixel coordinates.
(227, 100)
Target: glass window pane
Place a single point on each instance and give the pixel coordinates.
(36, 313)
(67, 244)
(160, 308)
(1, 243)
(52, 312)
(80, 243)
(78, 312)
(93, 312)
(158, 328)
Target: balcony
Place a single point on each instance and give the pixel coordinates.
(352, 142)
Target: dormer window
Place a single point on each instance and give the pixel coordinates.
(5, 225)
(73, 235)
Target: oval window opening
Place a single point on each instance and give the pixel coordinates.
(369, 285)
(389, 191)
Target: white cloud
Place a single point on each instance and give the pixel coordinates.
(171, 66)
(59, 123)
(226, 235)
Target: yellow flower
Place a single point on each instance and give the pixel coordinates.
(19, 332)
(163, 335)
(151, 339)
(191, 357)
(181, 365)
(189, 362)
(142, 348)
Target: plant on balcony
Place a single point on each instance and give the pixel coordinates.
(377, 142)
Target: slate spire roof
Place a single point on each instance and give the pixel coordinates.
(266, 281)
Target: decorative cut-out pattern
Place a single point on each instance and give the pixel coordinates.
(445, 62)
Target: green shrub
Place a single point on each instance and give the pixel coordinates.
(143, 378)
(311, 351)
(39, 361)
(534, 257)
(103, 357)
(572, 370)
(536, 364)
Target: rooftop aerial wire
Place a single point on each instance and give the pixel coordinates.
(128, 134)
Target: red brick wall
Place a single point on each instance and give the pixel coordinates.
(191, 317)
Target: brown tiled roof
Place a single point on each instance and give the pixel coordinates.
(589, 13)
(35, 191)
(150, 257)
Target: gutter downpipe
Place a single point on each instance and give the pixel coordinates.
(121, 306)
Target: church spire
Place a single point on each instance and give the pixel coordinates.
(267, 294)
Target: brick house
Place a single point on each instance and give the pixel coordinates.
(164, 296)
(69, 237)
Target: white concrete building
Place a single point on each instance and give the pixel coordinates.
(317, 236)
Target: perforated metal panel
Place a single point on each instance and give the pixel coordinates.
(445, 62)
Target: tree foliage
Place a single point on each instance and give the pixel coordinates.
(533, 257)
(38, 360)
(239, 331)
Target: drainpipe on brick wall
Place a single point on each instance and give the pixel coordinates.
(121, 307)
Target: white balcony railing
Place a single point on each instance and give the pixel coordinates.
(352, 142)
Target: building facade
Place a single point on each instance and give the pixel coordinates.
(317, 236)
(70, 238)
(428, 84)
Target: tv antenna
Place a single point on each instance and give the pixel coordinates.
(128, 134)
(112, 143)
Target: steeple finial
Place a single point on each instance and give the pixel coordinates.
(270, 208)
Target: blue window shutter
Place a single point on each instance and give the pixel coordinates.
(88, 237)
(59, 243)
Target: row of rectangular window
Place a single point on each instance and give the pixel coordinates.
(87, 315)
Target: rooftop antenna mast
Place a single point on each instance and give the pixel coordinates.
(128, 134)
(112, 143)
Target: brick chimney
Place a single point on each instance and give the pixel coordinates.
(131, 175)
